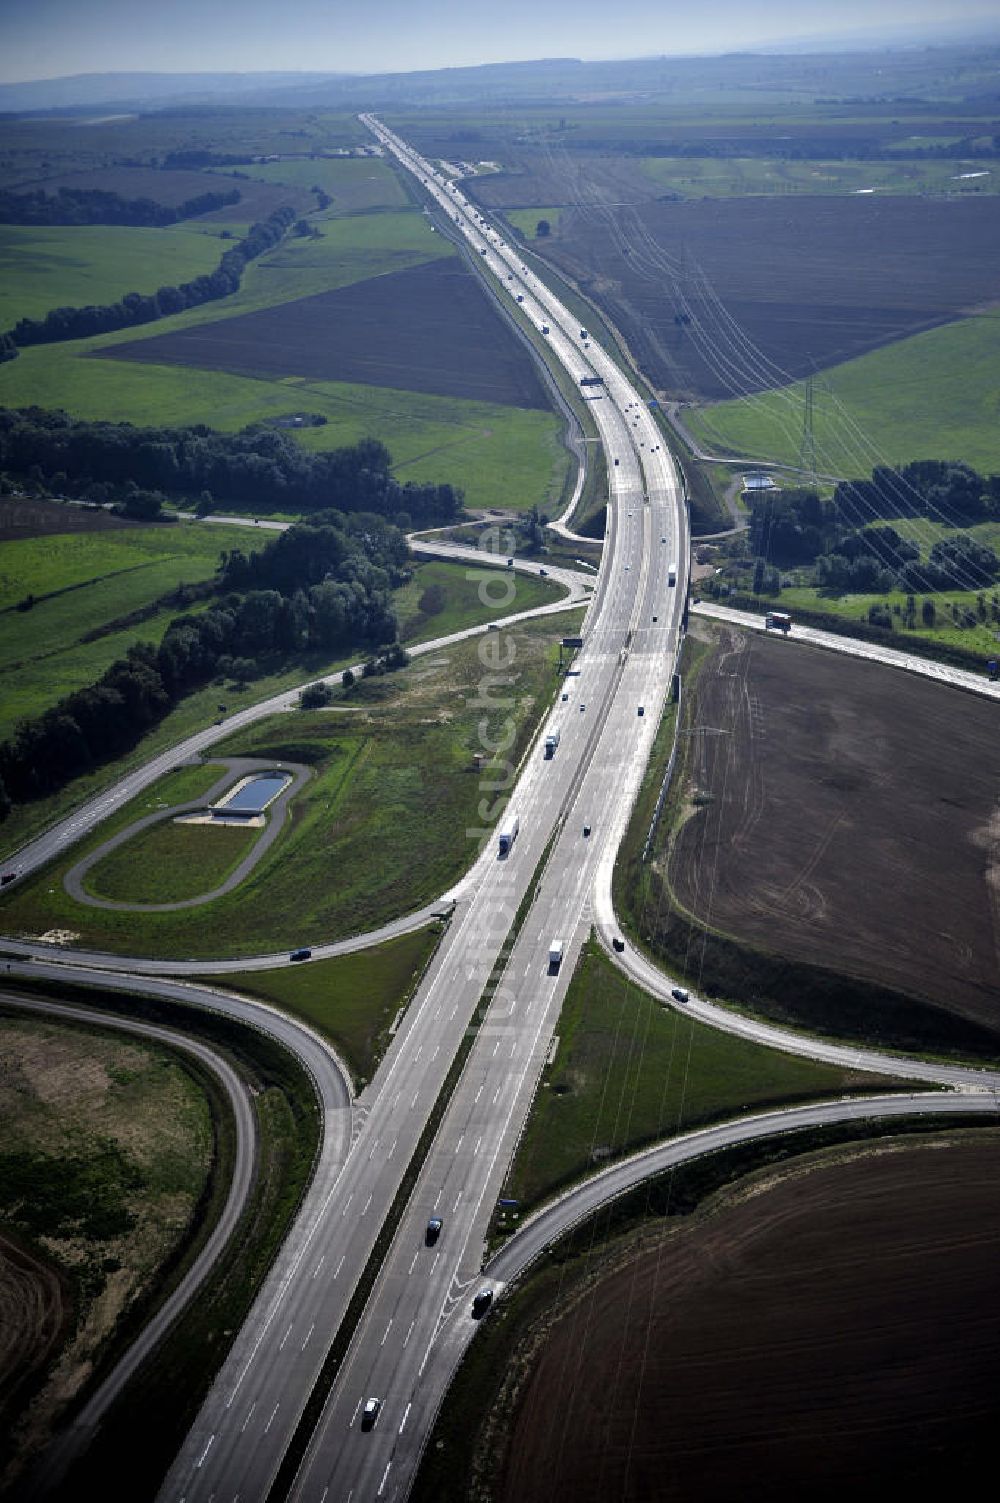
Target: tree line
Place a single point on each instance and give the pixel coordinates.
(256, 469)
(321, 587)
(789, 528)
(99, 206)
(140, 308)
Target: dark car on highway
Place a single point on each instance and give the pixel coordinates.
(433, 1230)
(300, 955)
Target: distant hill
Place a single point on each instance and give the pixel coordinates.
(941, 73)
(142, 90)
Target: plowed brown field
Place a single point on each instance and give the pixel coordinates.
(853, 820)
(811, 281)
(835, 1336)
(429, 328)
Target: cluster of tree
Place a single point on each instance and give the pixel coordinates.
(796, 527)
(194, 158)
(98, 206)
(139, 308)
(256, 470)
(241, 636)
(944, 489)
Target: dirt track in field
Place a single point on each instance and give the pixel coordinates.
(835, 1336)
(429, 328)
(854, 820)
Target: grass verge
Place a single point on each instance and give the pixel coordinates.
(170, 862)
(355, 1000)
(629, 1071)
(200, 709)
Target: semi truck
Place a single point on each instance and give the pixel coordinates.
(672, 574)
(551, 742)
(508, 833)
(555, 954)
(778, 621)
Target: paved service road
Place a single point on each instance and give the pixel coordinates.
(873, 652)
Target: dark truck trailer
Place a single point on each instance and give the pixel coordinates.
(778, 621)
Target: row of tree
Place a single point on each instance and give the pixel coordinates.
(354, 561)
(141, 308)
(99, 206)
(256, 470)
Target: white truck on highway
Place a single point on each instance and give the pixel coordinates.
(508, 833)
(671, 574)
(551, 742)
(555, 954)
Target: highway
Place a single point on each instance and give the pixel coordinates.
(247, 1423)
(418, 1318)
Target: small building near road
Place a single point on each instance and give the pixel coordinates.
(756, 483)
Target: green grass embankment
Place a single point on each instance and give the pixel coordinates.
(353, 1000)
(629, 1071)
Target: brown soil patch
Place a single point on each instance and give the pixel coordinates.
(22, 517)
(850, 820)
(125, 1120)
(34, 1309)
(836, 1336)
(429, 328)
(811, 281)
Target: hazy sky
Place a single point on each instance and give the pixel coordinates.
(49, 38)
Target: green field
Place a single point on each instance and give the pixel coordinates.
(379, 830)
(92, 581)
(456, 601)
(629, 1071)
(170, 862)
(191, 714)
(740, 177)
(353, 1000)
(933, 396)
(527, 219)
(356, 184)
(500, 456)
(979, 638)
(46, 267)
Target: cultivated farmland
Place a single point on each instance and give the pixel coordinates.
(847, 820)
(810, 280)
(95, 594)
(426, 329)
(829, 1333)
